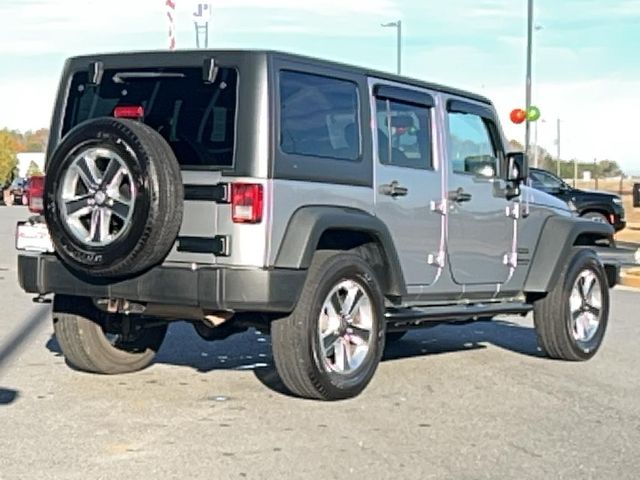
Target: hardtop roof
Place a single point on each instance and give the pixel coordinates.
(285, 56)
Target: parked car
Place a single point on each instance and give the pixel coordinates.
(14, 194)
(333, 206)
(34, 192)
(594, 205)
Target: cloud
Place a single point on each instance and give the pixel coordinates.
(27, 103)
(72, 25)
(582, 72)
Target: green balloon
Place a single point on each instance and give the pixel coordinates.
(533, 113)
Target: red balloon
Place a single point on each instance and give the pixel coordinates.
(518, 115)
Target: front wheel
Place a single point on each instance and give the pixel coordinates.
(596, 217)
(331, 344)
(94, 341)
(572, 319)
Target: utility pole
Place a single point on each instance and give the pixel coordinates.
(558, 152)
(595, 171)
(528, 83)
(201, 17)
(399, 47)
(398, 26)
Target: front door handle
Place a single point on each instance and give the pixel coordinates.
(459, 196)
(394, 189)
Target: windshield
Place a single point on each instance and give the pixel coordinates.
(196, 118)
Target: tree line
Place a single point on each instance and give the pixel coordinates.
(13, 142)
(599, 169)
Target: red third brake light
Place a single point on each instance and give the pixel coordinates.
(246, 202)
(129, 111)
(35, 193)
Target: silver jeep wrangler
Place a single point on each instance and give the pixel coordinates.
(332, 206)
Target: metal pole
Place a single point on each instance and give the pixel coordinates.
(595, 171)
(528, 85)
(558, 146)
(399, 47)
(398, 26)
(535, 145)
(575, 172)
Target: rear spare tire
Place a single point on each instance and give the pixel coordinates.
(113, 198)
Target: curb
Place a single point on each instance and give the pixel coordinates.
(630, 277)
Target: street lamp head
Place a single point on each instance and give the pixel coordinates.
(390, 24)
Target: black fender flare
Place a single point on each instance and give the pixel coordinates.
(307, 225)
(555, 246)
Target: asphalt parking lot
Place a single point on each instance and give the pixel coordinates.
(460, 402)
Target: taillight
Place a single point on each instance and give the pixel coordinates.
(135, 112)
(35, 194)
(246, 202)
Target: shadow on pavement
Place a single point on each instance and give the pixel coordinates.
(7, 396)
(252, 350)
(474, 336)
(22, 334)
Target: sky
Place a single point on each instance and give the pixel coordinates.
(586, 66)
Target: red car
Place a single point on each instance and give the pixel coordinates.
(33, 193)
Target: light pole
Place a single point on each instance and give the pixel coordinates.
(528, 81)
(397, 25)
(558, 149)
(535, 142)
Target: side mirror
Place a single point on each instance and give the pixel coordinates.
(517, 167)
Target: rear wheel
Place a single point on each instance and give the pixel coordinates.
(572, 319)
(331, 344)
(94, 341)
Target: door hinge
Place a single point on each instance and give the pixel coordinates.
(514, 211)
(439, 206)
(436, 259)
(510, 259)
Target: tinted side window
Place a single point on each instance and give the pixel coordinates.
(404, 134)
(319, 116)
(545, 181)
(471, 149)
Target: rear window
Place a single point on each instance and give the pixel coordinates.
(196, 118)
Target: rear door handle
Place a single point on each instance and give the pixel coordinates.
(393, 189)
(459, 196)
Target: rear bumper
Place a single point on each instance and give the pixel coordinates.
(209, 288)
